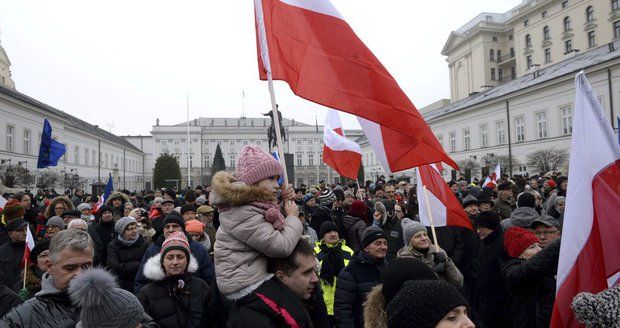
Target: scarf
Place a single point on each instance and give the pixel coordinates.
(127, 242)
(333, 262)
(272, 214)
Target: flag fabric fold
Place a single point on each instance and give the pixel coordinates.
(340, 153)
(444, 206)
(109, 187)
(50, 150)
(589, 258)
(491, 180)
(28, 246)
(309, 45)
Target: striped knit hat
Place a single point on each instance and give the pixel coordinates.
(255, 165)
(176, 240)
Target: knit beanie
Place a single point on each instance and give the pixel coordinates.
(201, 200)
(176, 240)
(598, 310)
(326, 227)
(122, 223)
(560, 199)
(187, 208)
(39, 247)
(517, 239)
(470, 200)
(308, 197)
(13, 209)
(16, 224)
(55, 221)
(174, 217)
(194, 226)
(103, 209)
(487, 219)
(327, 198)
(504, 186)
(84, 206)
(526, 199)
(339, 193)
(102, 303)
(410, 228)
(371, 234)
(358, 209)
(255, 165)
(401, 270)
(485, 198)
(349, 193)
(422, 304)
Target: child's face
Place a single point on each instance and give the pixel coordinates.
(270, 184)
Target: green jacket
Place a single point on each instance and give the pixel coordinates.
(328, 290)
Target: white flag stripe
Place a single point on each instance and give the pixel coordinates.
(438, 209)
(319, 6)
(372, 131)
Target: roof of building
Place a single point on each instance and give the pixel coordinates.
(70, 120)
(566, 67)
(497, 18)
(239, 121)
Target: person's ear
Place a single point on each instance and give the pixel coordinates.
(280, 275)
(48, 265)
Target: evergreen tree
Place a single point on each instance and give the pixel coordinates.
(360, 174)
(166, 168)
(218, 161)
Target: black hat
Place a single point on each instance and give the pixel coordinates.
(339, 194)
(423, 303)
(371, 234)
(16, 224)
(103, 209)
(547, 220)
(526, 199)
(504, 186)
(174, 217)
(39, 247)
(452, 182)
(470, 200)
(75, 213)
(487, 219)
(485, 198)
(168, 201)
(401, 270)
(326, 227)
(171, 193)
(187, 208)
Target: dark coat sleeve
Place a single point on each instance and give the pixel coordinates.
(114, 262)
(141, 280)
(100, 248)
(530, 271)
(206, 270)
(8, 300)
(344, 300)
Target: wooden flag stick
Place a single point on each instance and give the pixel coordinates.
(430, 217)
(25, 271)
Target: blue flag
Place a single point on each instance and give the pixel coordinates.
(50, 150)
(618, 117)
(275, 155)
(108, 188)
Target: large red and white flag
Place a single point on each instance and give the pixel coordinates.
(589, 257)
(491, 180)
(29, 245)
(340, 153)
(308, 44)
(444, 206)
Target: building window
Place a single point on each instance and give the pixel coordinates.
(528, 59)
(589, 14)
(547, 55)
(76, 155)
(567, 26)
(520, 128)
(591, 39)
(501, 132)
(543, 14)
(311, 159)
(466, 139)
(568, 46)
(494, 39)
(440, 139)
(492, 74)
(26, 149)
(299, 159)
(452, 141)
(484, 136)
(500, 74)
(300, 181)
(233, 161)
(512, 52)
(245, 142)
(106, 161)
(528, 41)
(526, 22)
(499, 55)
(311, 181)
(321, 159)
(86, 155)
(546, 34)
(94, 159)
(541, 124)
(10, 143)
(564, 4)
(615, 4)
(491, 55)
(616, 29)
(513, 72)
(231, 143)
(566, 113)
(176, 142)
(298, 141)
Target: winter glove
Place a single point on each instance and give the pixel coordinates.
(23, 294)
(439, 257)
(440, 268)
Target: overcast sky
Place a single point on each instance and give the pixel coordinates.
(126, 63)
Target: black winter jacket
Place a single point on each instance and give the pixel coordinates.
(264, 308)
(353, 230)
(321, 214)
(10, 259)
(102, 234)
(124, 261)
(394, 234)
(8, 300)
(531, 287)
(354, 283)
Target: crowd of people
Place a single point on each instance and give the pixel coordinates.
(245, 251)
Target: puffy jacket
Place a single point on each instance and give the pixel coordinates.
(205, 265)
(125, 260)
(191, 307)
(354, 283)
(521, 217)
(330, 290)
(271, 305)
(10, 259)
(452, 275)
(117, 211)
(531, 287)
(394, 234)
(352, 231)
(321, 215)
(102, 234)
(245, 239)
(375, 315)
(8, 300)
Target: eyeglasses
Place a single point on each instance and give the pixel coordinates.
(398, 211)
(546, 232)
(59, 208)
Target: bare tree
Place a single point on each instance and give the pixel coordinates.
(15, 176)
(47, 179)
(504, 162)
(545, 160)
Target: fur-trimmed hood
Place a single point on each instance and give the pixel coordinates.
(115, 195)
(154, 271)
(227, 191)
(375, 315)
(49, 211)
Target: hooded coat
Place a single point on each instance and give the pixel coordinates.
(375, 315)
(191, 306)
(117, 211)
(452, 275)
(124, 261)
(520, 217)
(245, 239)
(33, 281)
(10, 260)
(353, 230)
(49, 210)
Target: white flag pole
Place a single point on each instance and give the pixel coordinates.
(430, 217)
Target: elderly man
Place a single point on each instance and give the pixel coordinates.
(504, 203)
(547, 229)
(78, 224)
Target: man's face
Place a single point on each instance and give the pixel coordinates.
(311, 202)
(69, 265)
(117, 202)
(377, 249)
(564, 185)
(420, 240)
(331, 237)
(534, 184)
(25, 201)
(303, 280)
(389, 192)
(546, 234)
(338, 203)
(79, 192)
(19, 235)
(189, 215)
(348, 200)
(472, 209)
(379, 193)
(205, 218)
(167, 207)
(505, 195)
(484, 207)
(560, 207)
(68, 218)
(454, 187)
(86, 212)
(170, 228)
(107, 216)
(463, 187)
(299, 196)
(483, 232)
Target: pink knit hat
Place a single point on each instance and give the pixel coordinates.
(255, 165)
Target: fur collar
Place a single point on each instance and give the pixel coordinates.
(115, 195)
(225, 190)
(33, 283)
(154, 271)
(374, 309)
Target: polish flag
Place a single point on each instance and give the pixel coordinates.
(308, 44)
(29, 245)
(340, 153)
(444, 206)
(3, 202)
(491, 181)
(589, 257)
